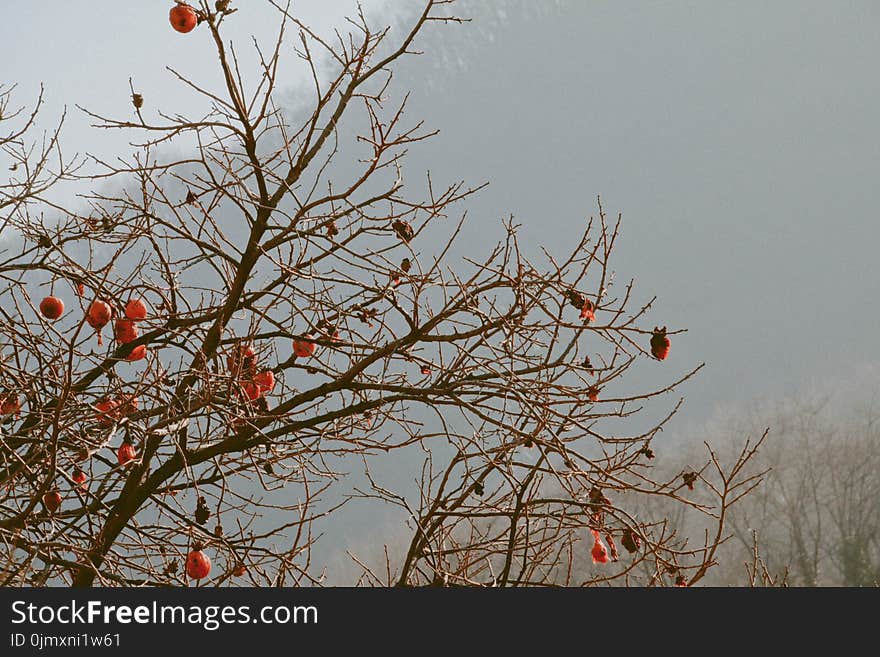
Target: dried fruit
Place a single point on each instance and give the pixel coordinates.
(183, 18)
(242, 359)
(631, 541)
(136, 310)
(593, 393)
(681, 581)
(576, 299)
(588, 365)
(404, 231)
(598, 497)
(660, 343)
(239, 570)
(52, 307)
(612, 547)
(202, 512)
(689, 479)
(588, 311)
(599, 551)
(10, 405)
(137, 100)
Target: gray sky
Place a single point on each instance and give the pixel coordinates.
(739, 139)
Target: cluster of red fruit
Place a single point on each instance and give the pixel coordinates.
(111, 410)
(99, 315)
(659, 341)
(242, 363)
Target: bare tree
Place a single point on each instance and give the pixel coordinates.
(817, 514)
(271, 320)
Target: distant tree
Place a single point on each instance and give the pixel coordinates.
(264, 320)
(817, 514)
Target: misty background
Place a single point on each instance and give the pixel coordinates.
(738, 139)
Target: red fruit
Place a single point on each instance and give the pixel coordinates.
(599, 551)
(251, 390)
(126, 453)
(52, 500)
(108, 411)
(404, 231)
(680, 581)
(138, 353)
(125, 331)
(10, 405)
(305, 347)
(79, 478)
(426, 370)
(593, 393)
(98, 316)
(136, 310)
(587, 311)
(80, 289)
(241, 358)
(183, 18)
(198, 565)
(266, 380)
(52, 307)
(659, 343)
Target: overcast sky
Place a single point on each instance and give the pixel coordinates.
(740, 141)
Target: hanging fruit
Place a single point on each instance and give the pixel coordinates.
(304, 347)
(98, 316)
(136, 310)
(138, 353)
(79, 478)
(659, 343)
(266, 381)
(599, 553)
(126, 453)
(10, 404)
(52, 500)
(52, 308)
(125, 331)
(183, 18)
(198, 565)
